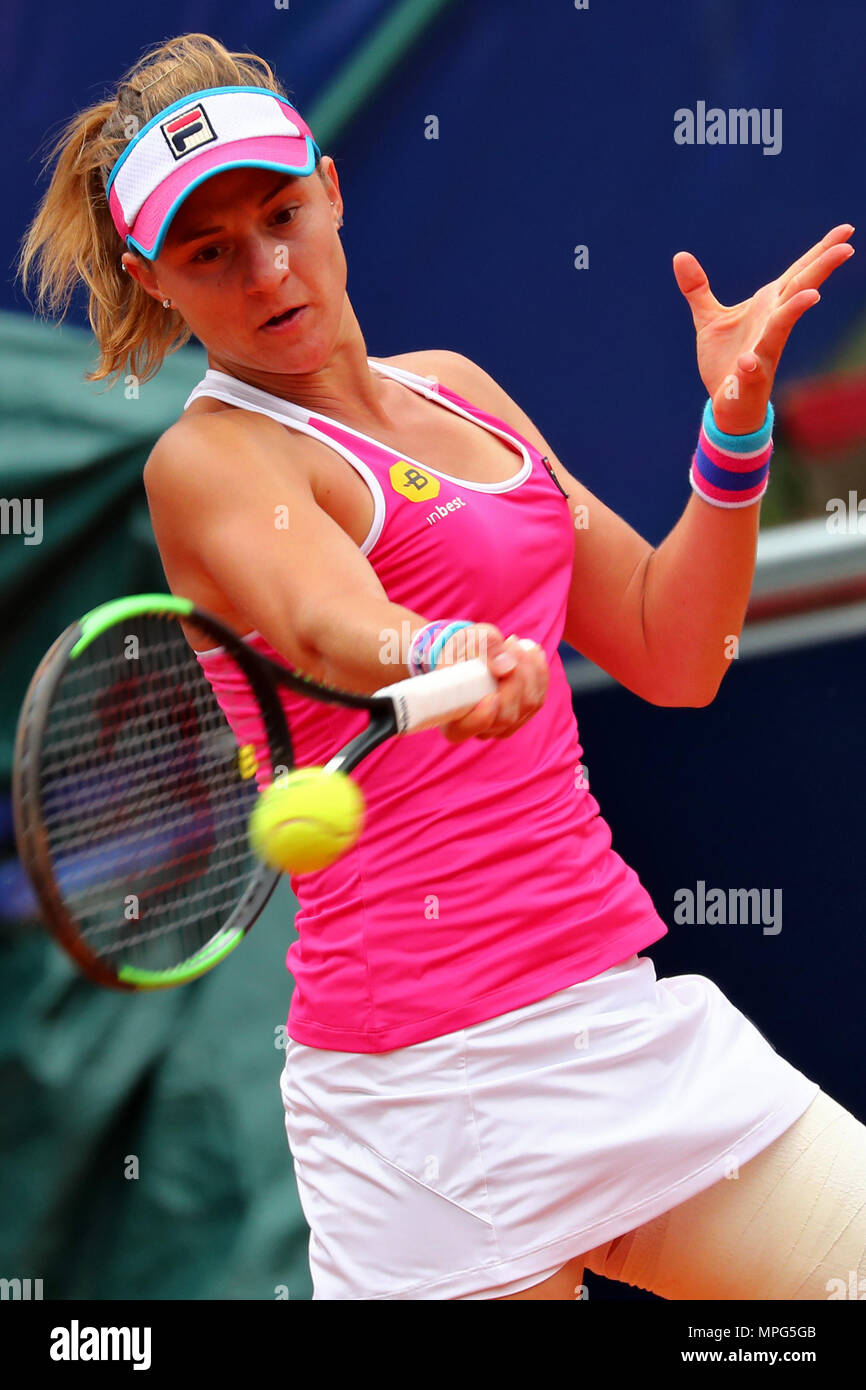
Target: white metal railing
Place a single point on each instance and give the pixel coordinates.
(802, 558)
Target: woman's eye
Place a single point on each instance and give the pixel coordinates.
(199, 256)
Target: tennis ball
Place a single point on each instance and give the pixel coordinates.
(306, 820)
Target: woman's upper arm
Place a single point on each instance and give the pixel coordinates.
(224, 495)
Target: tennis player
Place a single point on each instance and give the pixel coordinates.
(487, 1089)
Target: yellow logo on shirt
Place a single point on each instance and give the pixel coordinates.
(412, 482)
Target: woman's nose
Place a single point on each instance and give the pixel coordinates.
(266, 262)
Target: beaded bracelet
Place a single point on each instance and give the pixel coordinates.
(428, 642)
(731, 470)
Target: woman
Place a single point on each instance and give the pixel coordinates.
(486, 1087)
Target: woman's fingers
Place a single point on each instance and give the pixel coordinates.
(778, 326)
(758, 363)
(814, 274)
(472, 724)
(521, 693)
(518, 696)
(836, 236)
(694, 285)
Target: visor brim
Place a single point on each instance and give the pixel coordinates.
(285, 154)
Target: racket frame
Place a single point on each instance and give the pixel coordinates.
(28, 808)
(393, 710)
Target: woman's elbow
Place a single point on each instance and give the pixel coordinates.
(695, 696)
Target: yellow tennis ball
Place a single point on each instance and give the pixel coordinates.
(306, 820)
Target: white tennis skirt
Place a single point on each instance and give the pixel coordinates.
(477, 1163)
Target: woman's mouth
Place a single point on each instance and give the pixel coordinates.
(281, 322)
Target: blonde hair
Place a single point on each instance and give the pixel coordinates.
(72, 236)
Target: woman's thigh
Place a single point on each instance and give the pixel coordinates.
(791, 1224)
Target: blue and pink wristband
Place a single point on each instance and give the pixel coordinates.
(428, 642)
(731, 470)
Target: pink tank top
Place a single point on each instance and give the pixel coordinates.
(484, 878)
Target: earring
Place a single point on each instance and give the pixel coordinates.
(340, 223)
(166, 304)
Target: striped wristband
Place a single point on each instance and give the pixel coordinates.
(428, 642)
(731, 470)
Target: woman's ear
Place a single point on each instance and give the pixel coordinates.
(143, 273)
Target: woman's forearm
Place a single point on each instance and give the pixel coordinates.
(696, 591)
(363, 643)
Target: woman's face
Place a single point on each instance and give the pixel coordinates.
(245, 245)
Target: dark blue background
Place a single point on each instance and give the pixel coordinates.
(555, 130)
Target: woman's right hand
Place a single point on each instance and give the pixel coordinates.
(522, 673)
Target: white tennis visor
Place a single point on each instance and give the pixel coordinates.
(201, 135)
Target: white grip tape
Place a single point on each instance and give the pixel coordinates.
(420, 702)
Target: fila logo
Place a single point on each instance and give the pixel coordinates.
(188, 131)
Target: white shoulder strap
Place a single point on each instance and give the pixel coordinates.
(234, 392)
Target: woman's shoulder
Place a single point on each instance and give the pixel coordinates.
(452, 369)
(467, 379)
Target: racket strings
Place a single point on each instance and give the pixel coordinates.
(142, 800)
(60, 775)
(199, 903)
(183, 869)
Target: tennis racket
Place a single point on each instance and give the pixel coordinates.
(132, 798)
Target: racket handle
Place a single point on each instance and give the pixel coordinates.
(421, 702)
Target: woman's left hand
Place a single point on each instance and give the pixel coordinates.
(739, 346)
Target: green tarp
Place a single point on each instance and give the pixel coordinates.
(143, 1153)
